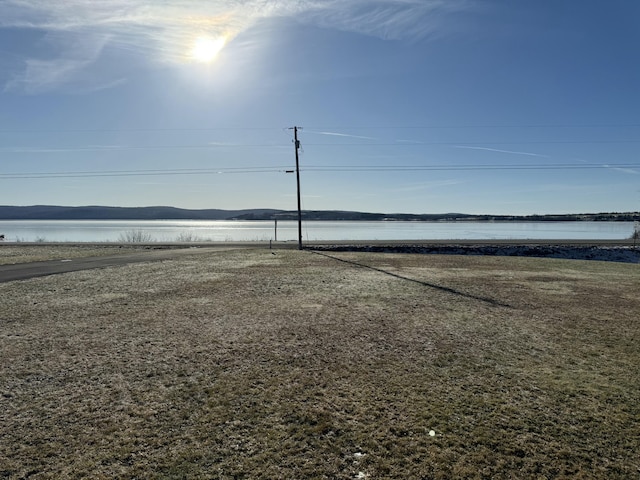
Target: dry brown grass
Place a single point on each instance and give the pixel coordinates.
(244, 364)
(15, 253)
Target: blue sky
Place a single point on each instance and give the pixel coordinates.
(416, 106)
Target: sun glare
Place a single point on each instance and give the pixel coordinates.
(205, 49)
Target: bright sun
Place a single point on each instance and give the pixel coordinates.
(205, 49)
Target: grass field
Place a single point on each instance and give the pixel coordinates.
(294, 364)
(13, 254)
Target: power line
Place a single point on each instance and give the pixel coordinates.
(46, 149)
(339, 127)
(136, 130)
(404, 144)
(523, 142)
(314, 168)
(385, 168)
(136, 173)
(466, 126)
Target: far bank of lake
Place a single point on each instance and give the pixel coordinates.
(264, 230)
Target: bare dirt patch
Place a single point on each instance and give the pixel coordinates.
(249, 364)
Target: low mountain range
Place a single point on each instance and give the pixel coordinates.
(51, 212)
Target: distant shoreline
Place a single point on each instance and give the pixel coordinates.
(348, 243)
(95, 213)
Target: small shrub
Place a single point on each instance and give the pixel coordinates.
(135, 236)
(188, 237)
(635, 236)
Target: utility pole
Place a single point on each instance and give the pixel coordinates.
(296, 143)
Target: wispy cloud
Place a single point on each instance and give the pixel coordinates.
(223, 144)
(164, 31)
(413, 187)
(337, 134)
(72, 58)
(529, 154)
(619, 168)
(623, 170)
(388, 19)
(61, 149)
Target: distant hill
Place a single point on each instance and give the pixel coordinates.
(52, 212)
(47, 212)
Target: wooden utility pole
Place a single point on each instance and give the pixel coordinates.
(296, 143)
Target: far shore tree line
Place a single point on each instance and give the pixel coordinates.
(50, 212)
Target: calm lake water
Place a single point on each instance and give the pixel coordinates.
(218, 231)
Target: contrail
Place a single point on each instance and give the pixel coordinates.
(335, 134)
(623, 170)
(502, 151)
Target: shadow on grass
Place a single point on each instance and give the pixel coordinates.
(452, 291)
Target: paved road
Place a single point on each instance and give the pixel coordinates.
(23, 271)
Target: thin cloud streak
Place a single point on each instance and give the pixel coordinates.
(387, 19)
(428, 185)
(617, 168)
(40, 75)
(502, 151)
(62, 149)
(623, 170)
(336, 134)
(165, 31)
